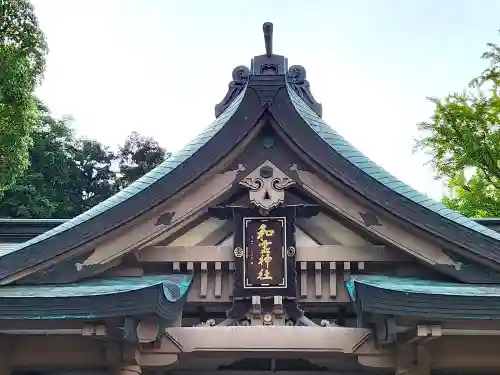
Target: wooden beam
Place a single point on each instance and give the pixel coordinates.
(317, 233)
(239, 340)
(323, 253)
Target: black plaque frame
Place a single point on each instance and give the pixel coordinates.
(241, 289)
(277, 250)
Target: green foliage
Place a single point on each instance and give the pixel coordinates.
(22, 62)
(17, 115)
(463, 138)
(68, 175)
(45, 172)
(138, 156)
(473, 197)
(20, 30)
(94, 179)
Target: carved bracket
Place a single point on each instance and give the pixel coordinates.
(267, 184)
(240, 79)
(297, 79)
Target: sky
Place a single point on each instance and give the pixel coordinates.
(158, 67)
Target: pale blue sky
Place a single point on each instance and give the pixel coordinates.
(159, 66)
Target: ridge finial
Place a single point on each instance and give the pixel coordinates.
(268, 37)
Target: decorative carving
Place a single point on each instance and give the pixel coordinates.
(165, 218)
(269, 63)
(208, 323)
(267, 319)
(267, 184)
(290, 251)
(238, 252)
(297, 79)
(240, 79)
(268, 38)
(370, 219)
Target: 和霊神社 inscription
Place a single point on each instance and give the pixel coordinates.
(264, 243)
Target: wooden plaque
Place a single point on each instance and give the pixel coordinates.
(264, 253)
(264, 257)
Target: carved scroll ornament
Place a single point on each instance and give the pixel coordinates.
(267, 184)
(297, 79)
(236, 86)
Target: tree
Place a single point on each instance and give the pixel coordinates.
(137, 157)
(22, 62)
(68, 175)
(463, 141)
(65, 177)
(95, 180)
(41, 192)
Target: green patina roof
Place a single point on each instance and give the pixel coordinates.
(99, 287)
(149, 178)
(353, 155)
(161, 295)
(421, 286)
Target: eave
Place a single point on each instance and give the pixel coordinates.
(162, 296)
(423, 299)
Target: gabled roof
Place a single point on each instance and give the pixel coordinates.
(268, 87)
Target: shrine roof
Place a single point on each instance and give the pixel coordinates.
(162, 295)
(414, 297)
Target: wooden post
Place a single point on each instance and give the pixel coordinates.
(413, 359)
(129, 370)
(128, 364)
(406, 359)
(4, 355)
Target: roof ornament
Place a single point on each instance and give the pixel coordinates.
(269, 64)
(236, 86)
(268, 38)
(297, 80)
(267, 184)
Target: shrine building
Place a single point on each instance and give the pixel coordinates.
(268, 244)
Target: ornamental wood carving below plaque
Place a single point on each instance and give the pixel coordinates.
(264, 255)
